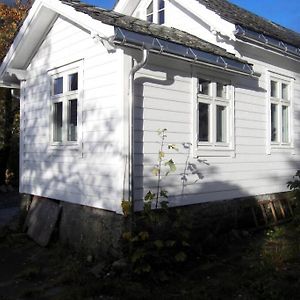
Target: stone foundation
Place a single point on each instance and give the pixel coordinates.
(98, 232)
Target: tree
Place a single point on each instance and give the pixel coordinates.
(10, 19)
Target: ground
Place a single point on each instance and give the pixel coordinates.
(261, 265)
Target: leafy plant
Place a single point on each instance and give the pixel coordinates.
(294, 185)
(159, 239)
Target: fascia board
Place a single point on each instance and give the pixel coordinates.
(126, 7)
(24, 28)
(68, 12)
(213, 20)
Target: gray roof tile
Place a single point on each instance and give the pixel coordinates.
(144, 27)
(239, 16)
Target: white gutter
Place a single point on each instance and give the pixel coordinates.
(131, 126)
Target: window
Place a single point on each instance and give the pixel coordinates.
(64, 105)
(161, 12)
(155, 12)
(150, 12)
(214, 117)
(280, 107)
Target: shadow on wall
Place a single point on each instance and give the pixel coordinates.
(191, 182)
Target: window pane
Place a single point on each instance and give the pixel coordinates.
(221, 124)
(161, 17)
(203, 87)
(57, 121)
(161, 4)
(274, 122)
(221, 90)
(274, 89)
(203, 133)
(285, 124)
(72, 120)
(58, 86)
(73, 82)
(150, 12)
(285, 91)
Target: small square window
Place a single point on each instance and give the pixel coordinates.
(203, 87)
(221, 90)
(274, 89)
(58, 86)
(73, 82)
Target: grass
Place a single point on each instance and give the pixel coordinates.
(264, 265)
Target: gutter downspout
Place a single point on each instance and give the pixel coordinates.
(131, 126)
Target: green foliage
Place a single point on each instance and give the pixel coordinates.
(294, 185)
(159, 240)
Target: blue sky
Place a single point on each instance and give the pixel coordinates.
(283, 12)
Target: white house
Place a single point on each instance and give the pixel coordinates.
(96, 85)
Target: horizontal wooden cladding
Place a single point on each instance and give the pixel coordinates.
(201, 187)
(104, 202)
(169, 105)
(103, 190)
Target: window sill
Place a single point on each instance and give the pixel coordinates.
(65, 149)
(277, 148)
(214, 151)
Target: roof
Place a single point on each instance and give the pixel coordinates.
(239, 16)
(143, 27)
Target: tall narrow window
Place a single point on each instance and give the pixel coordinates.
(150, 12)
(72, 120)
(274, 122)
(203, 134)
(65, 98)
(280, 103)
(221, 119)
(213, 114)
(161, 12)
(57, 121)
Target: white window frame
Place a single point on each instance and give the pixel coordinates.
(156, 11)
(212, 148)
(65, 97)
(279, 145)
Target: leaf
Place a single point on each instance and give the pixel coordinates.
(155, 171)
(126, 236)
(144, 235)
(170, 163)
(137, 255)
(173, 147)
(164, 193)
(170, 243)
(126, 207)
(161, 154)
(149, 196)
(159, 244)
(180, 257)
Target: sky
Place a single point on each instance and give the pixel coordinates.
(283, 12)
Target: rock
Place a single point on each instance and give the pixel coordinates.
(99, 270)
(41, 220)
(120, 265)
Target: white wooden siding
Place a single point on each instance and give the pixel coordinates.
(91, 175)
(165, 100)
